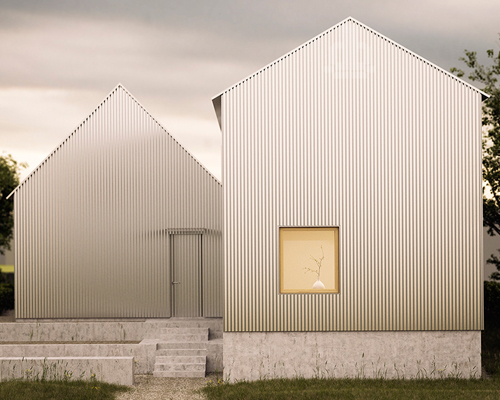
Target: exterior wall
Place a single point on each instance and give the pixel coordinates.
(354, 131)
(392, 355)
(93, 221)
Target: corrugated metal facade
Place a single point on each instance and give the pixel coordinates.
(95, 221)
(354, 131)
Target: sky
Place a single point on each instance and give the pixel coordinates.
(60, 59)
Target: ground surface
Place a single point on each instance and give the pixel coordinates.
(147, 387)
(7, 316)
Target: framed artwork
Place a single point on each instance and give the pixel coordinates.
(309, 260)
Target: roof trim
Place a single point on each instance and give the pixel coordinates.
(216, 100)
(119, 86)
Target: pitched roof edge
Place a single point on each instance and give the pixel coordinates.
(63, 141)
(119, 86)
(173, 138)
(484, 96)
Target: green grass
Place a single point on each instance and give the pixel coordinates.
(441, 389)
(58, 390)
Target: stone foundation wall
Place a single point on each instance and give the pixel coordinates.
(407, 354)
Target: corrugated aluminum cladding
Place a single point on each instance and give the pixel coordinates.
(94, 223)
(354, 131)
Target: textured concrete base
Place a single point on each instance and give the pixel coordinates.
(421, 354)
(146, 332)
(214, 355)
(101, 331)
(142, 353)
(118, 370)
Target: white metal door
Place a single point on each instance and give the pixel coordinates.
(186, 275)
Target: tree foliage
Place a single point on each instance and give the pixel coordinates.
(487, 76)
(9, 179)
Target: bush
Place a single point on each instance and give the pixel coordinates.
(6, 297)
(490, 337)
(491, 304)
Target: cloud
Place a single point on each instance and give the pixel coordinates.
(34, 121)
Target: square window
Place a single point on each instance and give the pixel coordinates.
(309, 260)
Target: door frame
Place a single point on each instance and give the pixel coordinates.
(171, 235)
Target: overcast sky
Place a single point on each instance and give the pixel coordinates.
(59, 59)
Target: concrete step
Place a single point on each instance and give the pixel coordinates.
(180, 367)
(184, 337)
(181, 345)
(179, 374)
(180, 352)
(188, 330)
(187, 323)
(183, 359)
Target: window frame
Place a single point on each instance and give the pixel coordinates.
(282, 267)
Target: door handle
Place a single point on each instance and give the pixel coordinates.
(175, 283)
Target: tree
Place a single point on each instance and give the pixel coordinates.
(9, 179)
(488, 76)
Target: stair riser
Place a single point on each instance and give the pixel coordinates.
(180, 359)
(190, 324)
(180, 367)
(181, 345)
(172, 338)
(180, 352)
(182, 331)
(179, 374)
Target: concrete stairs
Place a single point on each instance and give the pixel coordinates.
(181, 352)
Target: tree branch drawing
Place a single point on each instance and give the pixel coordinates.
(318, 262)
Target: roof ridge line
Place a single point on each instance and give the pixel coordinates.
(62, 142)
(329, 30)
(118, 86)
(169, 134)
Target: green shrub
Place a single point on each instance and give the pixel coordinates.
(6, 297)
(491, 304)
(490, 337)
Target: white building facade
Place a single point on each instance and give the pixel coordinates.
(352, 133)
(119, 221)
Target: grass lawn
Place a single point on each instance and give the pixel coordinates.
(357, 389)
(58, 390)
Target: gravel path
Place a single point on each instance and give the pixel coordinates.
(147, 387)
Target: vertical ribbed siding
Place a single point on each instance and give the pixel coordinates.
(354, 131)
(93, 220)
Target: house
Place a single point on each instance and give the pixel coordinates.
(353, 214)
(119, 221)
